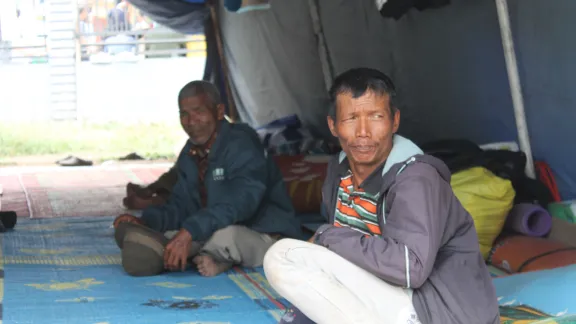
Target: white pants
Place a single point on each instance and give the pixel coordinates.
(330, 289)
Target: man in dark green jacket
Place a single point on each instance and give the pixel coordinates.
(229, 205)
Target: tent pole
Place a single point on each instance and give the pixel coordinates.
(220, 46)
(515, 86)
(322, 48)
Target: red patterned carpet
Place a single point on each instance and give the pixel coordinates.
(83, 191)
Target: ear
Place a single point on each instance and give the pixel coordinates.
(220, 111)
(332, 126)
(396, 121)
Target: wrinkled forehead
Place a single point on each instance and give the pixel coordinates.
(197, 100)
(346, 102)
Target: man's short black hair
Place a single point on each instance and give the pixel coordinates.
(358, 81)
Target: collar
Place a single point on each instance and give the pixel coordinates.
(402, 150)
(201, 151)
(213, 143)
(372, 184)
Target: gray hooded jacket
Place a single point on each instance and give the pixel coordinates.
(428, 243)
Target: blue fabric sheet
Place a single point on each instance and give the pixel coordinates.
(546, 294)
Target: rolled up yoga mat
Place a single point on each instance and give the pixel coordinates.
(519, 253)
(529, 219)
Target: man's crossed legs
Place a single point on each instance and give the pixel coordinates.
(143, 249)
(329, 289)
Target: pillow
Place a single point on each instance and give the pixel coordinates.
(304, 177)
(487, 198)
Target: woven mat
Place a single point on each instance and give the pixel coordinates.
(67, 270)
(64, 192)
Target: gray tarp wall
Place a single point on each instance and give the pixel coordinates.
(447, 63)
(274, 63)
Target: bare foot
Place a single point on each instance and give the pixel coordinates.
(137, 190)
(135, 202)
(131, 189)
(208, 267)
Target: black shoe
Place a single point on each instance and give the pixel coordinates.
(7, 220)
(142, 250)
(74, 161)
(295, 316)
(131, 157)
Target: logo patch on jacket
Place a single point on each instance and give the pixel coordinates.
(218, 174)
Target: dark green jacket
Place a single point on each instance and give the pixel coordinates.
(244, 186)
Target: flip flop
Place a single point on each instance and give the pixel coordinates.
(74, 161)
(131, 157)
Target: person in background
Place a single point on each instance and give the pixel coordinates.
(85, 32)
(141, 26)
(118, 24)
(118, 20)
(228, 206)
(398, 247)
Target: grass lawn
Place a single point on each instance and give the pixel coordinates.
(88, 140)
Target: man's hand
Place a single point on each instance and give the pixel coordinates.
(312, 239)
(177, 250)
(126, 218)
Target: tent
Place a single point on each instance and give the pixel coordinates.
(455, 67)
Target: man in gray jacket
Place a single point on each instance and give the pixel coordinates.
(399, 247)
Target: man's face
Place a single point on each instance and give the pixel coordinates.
(365, 127)
(83, 15)
(199, 118)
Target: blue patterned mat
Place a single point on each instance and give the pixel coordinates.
(68, 270)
